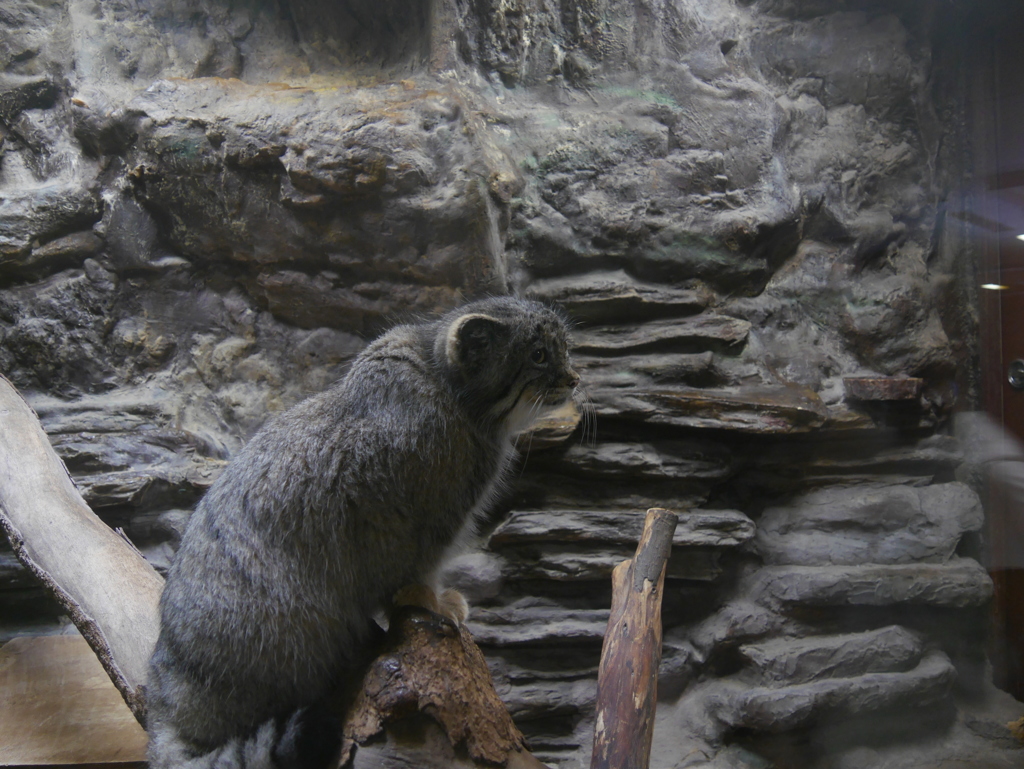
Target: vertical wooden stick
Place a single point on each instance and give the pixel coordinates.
(627, 681)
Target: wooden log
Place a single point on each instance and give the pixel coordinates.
(429, 666)
(627, 681)
(107, 588)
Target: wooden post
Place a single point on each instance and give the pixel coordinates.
(627, 681)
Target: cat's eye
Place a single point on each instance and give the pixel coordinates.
(539, 355)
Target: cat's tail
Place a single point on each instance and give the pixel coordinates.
(309, 739)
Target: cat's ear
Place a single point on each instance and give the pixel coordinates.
(472, 337)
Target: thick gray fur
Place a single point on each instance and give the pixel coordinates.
(329, 510)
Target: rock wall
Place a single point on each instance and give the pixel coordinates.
(749, 209)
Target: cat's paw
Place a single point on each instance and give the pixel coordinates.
(454, 605)
(417, 595)
(449, 604)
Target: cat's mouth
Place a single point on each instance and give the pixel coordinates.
(536, 406)
(554, 399)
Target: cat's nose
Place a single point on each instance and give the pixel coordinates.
(572, 379)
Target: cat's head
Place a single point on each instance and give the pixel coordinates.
(509, 360)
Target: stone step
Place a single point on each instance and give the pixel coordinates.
(881, 454)
(696, 333)
(883, 524)
(961, 583)
(537, 625)
(696, 528)
(761, 409)
(789, 661)
(126, 410)
(549, 699)
(648, 460)
(536, 489)
(604, 296)
(565, 562)
(632, 371)
(780, 709)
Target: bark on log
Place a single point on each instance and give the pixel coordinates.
(627, 682)
(430, 666)
(108, 589)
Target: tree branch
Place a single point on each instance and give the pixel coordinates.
(627, 679)
(108, 589)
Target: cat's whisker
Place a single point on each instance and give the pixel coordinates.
(534, 410)
(526, 455)
(588, 416)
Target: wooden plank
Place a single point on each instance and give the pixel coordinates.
(58, 707)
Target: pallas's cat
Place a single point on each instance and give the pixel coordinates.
(333, 507)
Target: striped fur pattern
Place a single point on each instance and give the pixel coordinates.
(329, 510)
